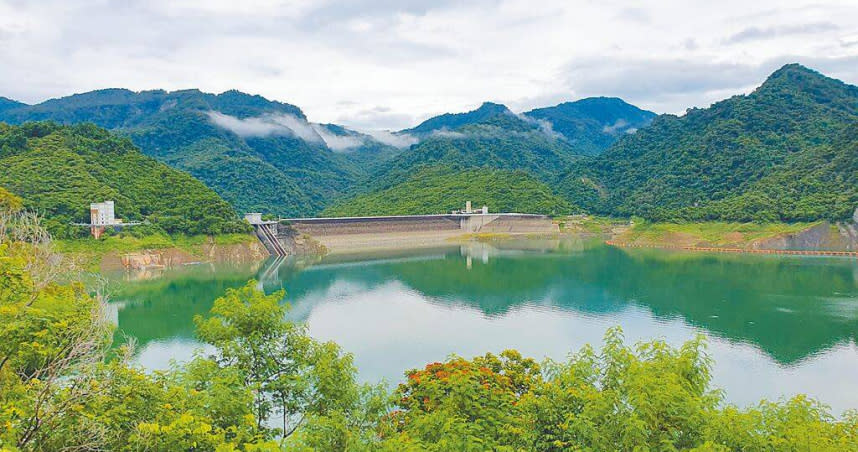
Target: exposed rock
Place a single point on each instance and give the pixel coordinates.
(169, 257)
(824, 236)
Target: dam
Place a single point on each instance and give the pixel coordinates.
(354, 234)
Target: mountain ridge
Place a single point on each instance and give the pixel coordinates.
(285, 165)
(690, 167)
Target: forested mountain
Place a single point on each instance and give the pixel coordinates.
(784, 152)
(503, 141)
(492, 138)
(442, 189)
(451, 121)
(59, 170)
(258, 154)
(263, 155)
(588, 126)
(593, 124)
(8, 104)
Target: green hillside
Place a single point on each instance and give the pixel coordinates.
(60, 170)
(451, 121)
(588, 126)
(259, 155)
(442, 189)
(785, 152)
(503, 142)
(593, 124)
(8, 104)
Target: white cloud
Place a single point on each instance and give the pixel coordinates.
(338, 142)
(398, 140)
(615, 126)
(447, 133)
(399, 62)
(544, 125)
(263, 126)
(251, 127)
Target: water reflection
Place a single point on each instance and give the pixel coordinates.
(779, 325)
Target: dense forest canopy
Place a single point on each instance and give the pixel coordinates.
(593, 124)
(785, 152)
(259, 155)
(442, 189)
(59, 170)
(265, 156)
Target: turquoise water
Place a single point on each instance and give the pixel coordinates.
(777, 325)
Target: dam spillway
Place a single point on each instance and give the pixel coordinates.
(354, 234)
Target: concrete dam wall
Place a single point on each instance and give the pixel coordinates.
(319, 227)
(356, 234)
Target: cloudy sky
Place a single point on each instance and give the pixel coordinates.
(376, 64)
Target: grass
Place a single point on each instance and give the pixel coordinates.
(711, 233)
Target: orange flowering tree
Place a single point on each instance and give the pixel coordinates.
(465, 405)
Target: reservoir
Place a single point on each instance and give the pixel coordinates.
(776, 325)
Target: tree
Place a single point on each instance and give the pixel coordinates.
(291, 375)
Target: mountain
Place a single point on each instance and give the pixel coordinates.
(451, 121)
(442, 189)
(260, 155)
(784, 152)
(495, 141)
(593, 124)
(504, 141)
(8, 104)
(588, 125)
(360, 148)
(59, 170)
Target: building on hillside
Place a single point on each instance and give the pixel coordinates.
(253, 218)
(102, 215)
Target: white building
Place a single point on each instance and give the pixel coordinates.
(102, 214)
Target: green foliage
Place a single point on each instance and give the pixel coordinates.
(440, 190)
(9, 202)
(272, 173)
(593, 124)
(60, 170)
(708, 233)
(58, 392)
(588, 125)
(289, 373)
(503, 141)
(490, 138)
(452, 121)
(786, 152)
(651, 397)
